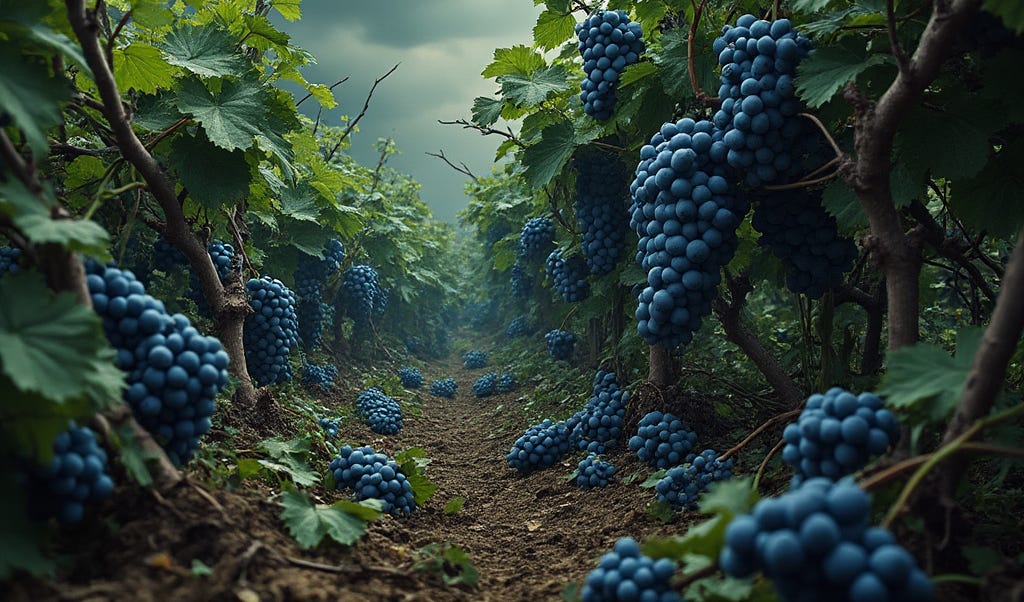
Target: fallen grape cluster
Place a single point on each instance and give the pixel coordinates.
(382, 412)
(626, 573)
(518, 327)
(560, 344)
(321, 375)
(608, 42)
(444, 387)
(506, 382)
(271, 331)
(601, 188)
(814, 543)
(411, 377)
(681, 485)
(372, 475)
(75, 476)
(330, 426)
(473, 359)
(540, 446)
(598, 425)
(486, 385)
(837, 433)
(569, 276)
(593, 472)
(174, 372)
(662, 441)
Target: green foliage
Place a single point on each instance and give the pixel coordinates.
(827, 70)
(449, 562)
(23, 548)
(454, 505)
(1011, 12)
(289, 457)
(343, 522)
(414, 462)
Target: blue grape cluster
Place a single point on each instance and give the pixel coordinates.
(311, 276)
(444, 387)
(518, 327)
(593, 472)
(626, 573)
(685, 212)
(330, 426)
(798, 230)
(600, 212)
(506, 383)
(540, 446)
(271, 331)
(9, 257)
(362, 293)
(373, 475)
(661, 440)
(174, 372)
(837, 433)
(569, 276)
(222, 255)
(682, 484)
(413, 344)
(75, 476)
(608, 42)
(474, 359)
(522, 282)
(759, 113)
(560, 344)
(598, 426)
(381, 411)
(411, 377)
(486, 385)
(321, 375)
(814, 543)
(166, 257)
(536, 238)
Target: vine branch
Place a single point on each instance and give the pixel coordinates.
(366, 106)
(767, 424)
(894, 41)
(461, 167)
(330, 88)
(485, 131)
(691, 66)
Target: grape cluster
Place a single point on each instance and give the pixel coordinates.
(518, 327)
(373, 475)
(681, 485)
(593, 472)
(522, 282)
(798, 230)
(837, 433)
(686, 215)
(569, 276)
(540, 446)
(361, 292)
(75, 475)
(381, 411)
(411, 377)
(474, 359)
(174, 372)
(413, 344)
(321, 375)
(9, 257)
(506, 383)
(444, 387)
(609, 41)
(271, 331)
(311, 276)
(222, 255)
(626, 573)
(330, 426)
(759, 113)
(661, 440)
(560, 344)
(166, 257)
(598, 424)
(486, 385)
(536, 238)
(814, 543)
(600, 212)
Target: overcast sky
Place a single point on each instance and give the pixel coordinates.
(442, 46)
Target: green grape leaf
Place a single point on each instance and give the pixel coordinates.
(991, 199)
(233, 117)
(517, 60)
(535, 88)
(309, 523)
(553, 28)
(923, 144)
(1010, 11)
(84, 169)
(925, 379)
(289, 9)
(649, 12)
(810, 6)
(637, 72)
(262, 34)
(486, 110)
(141, 67)
(30, 95)
(85, 236)
(23, 539)
(157, 112)
(290, 457)
(546, 158)
(214, 177)
(672, 60)
(826, 70)
(132, 456)
(731, 497)
(454, 505)
(298, 203)
(843, 205)
(204, 50)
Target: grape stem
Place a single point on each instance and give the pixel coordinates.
(803, 183)
(764, 463)
(702, 96)
(767, 424)
(824, 130)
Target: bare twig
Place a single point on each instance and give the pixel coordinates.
(824, 130)
(699, 93)
(768, 423)
(461, 168)
(366, 106)
(485, 131)
(174, 127)
(117, 31)
(240, 244)
(331, 88)
(894, 41)
(75, 151)
(764, 463)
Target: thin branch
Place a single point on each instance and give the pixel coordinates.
(768, 423)
(894, 471)
(331, 88)
(117, 31)
(68, 150)
(824, 130)
(366, 106)
(894, 41)
(702, 96)
(935, 234)
(18, 165)
(485, 131)
(461, 168)
(764, 463)
(697, 575)
(240, 243)
(580, 5)
(803, 183)
(177, 124)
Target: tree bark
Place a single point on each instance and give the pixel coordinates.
(661, 371)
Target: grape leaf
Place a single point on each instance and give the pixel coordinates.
(810, 6)
(157, 112)
(289, 9)
(518, 60)
(731, 497)
(924, 144)
(637, 72)
(991, 199)
(533, 89)
(1010, 11)
(546, 158)
(297, 203)
(141, 67)
(454, 505)
(30, 95)
(204, 50)
(309, 523)
(290, 457)
(925, 379)
(214, 177)
(486, 110)
(843, 205)
(81, 235)
(553, 28)
(826, 70)
(232, 117)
